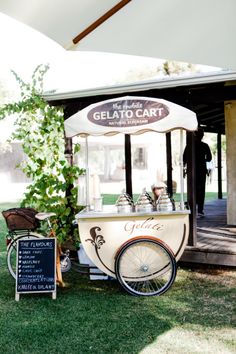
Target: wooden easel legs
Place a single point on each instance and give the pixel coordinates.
(60, 281)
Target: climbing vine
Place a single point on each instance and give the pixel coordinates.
(40, 129)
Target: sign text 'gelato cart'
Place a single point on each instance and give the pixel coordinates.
(128, 113)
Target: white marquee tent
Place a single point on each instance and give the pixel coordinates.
(200, 32)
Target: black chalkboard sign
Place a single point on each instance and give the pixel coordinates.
(36, 266)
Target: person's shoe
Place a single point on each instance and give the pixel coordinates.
(201, 214)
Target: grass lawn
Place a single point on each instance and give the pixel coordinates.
(197, 315)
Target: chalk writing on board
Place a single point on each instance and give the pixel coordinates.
(36, 266)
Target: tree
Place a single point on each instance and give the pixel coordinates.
(40, 128)
(171, 67)
(152, 71)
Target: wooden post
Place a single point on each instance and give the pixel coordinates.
(191, 190)
(69, 150)
(69, 157)
(128, 165)
(230, 130)
(219, 164)
(169, 164)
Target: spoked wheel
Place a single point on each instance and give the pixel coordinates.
(145, 267)
(11, 251)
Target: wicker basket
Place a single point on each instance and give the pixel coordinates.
(21, 219)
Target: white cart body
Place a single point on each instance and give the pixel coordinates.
(103, 233)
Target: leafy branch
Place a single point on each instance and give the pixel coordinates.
(40, 129)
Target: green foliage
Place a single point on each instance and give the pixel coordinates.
(40, 128)
(213, 143)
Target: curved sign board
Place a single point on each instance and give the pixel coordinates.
(130, 115)
(127, 113)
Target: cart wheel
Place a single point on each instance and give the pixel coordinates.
(145, 267)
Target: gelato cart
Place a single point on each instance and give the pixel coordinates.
(139, 244)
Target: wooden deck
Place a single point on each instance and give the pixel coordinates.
(216, 241)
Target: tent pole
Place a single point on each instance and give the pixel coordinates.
(219, 164)
(181, 165)
(128, 165)
(169, 164)
(87, 174)
(191, 182)
(100, 21)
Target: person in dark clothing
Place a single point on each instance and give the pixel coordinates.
(202, 156)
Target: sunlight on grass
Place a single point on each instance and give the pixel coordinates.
(195, 339)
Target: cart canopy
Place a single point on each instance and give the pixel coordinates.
(130, 115)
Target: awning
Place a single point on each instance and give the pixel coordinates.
(130, 115)
(200, 32)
